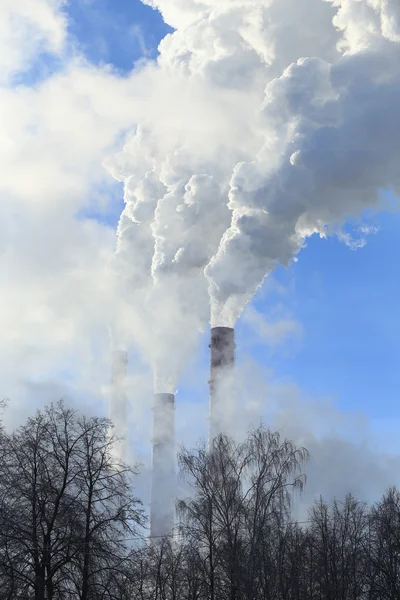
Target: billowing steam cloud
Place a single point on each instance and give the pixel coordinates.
(277, 118)
(339, 127)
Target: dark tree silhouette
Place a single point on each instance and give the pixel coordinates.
(66, 507)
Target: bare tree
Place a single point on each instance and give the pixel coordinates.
(274, 471)
(109, 513)
(212, 519)
(240, 489)
(383, 550)
(338, 535)
(66, 506)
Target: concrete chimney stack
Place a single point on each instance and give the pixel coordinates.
(222, 361)
(118, 402)
(163, 485)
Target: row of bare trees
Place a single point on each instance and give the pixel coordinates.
(71, 528)
(236, 540)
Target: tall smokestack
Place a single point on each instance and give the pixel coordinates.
(222, 361)
(163, 488)
(119, 361)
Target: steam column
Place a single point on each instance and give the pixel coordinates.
(222, 362)
(163, 488)
(118, 397)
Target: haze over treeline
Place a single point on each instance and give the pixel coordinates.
(72, 528)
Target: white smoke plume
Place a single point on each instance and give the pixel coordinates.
(271, 127)
(337, 145)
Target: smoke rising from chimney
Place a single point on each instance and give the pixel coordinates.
(177, 166)
(338, 151)
(254, 149)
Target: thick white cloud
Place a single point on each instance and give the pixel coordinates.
(56, 291)
(332, 142)
(300, 98)
(54, 140)
(244, 44)
(211, 74)
(261, 86)
(365, 22)
(57, 132)
(178, 13)
(28, 29)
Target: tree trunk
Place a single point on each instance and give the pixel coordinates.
(39, 583)
(86, 550)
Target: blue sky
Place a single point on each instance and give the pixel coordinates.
(117, 32)
(345, 301)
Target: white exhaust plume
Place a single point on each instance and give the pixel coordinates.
(205, 125)
(337, 131)
(260, 128)
(229, 162)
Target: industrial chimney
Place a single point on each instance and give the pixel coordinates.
(222, 361)
(119, 363)
(163, 487)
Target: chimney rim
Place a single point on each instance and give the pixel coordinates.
(222, 329)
